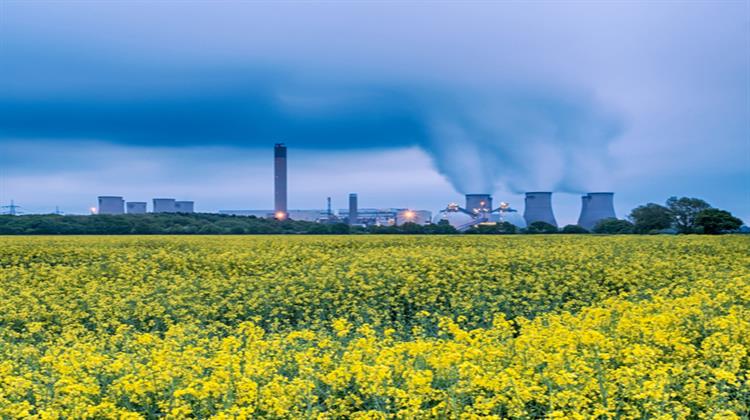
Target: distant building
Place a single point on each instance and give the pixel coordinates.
(388, 216)
(420, 217)
(111, 205)
(184, 206)
(302, 215)
(164, 205)
(136, 207)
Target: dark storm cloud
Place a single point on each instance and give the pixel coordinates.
(250, 114)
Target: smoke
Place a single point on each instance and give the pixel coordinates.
(523, 141)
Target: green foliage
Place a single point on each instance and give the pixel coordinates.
(684, 210)
(613, 226)
(715, 221)
(573, 229)
(540, 227)
(191, 224)
(651, 217)
(502, 228)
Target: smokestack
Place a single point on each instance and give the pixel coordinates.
(353, 212)
(538, 208)
(595, 207)
(477, 203)
(279, 172)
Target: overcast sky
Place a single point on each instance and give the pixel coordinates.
(408, 104)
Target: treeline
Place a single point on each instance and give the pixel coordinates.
(683, 215)
(189, 224)
(677, 215)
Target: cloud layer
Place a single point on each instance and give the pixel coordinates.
(502, 97)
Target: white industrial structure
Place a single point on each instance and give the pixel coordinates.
(478, 211)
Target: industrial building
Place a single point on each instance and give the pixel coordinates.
(279, 181)
(111, 205)
(184, 206)
(302, 215)
(164, 205)
(136, 207)
(387, 216)
(420, 217)
(538, 208)
(596, 206)
(478, 210)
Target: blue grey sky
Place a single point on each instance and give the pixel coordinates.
(409, 104)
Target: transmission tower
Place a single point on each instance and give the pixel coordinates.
(11, 209)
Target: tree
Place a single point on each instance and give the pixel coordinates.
(502, 228)
(651, 217)
(573, 229)
(715, 221)
(541, 227)
(613, 226)
(684, 210)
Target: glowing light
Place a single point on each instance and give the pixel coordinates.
(280, 215)
(409, 215)
(93, 210)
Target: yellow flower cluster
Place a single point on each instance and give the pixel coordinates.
(375, 327)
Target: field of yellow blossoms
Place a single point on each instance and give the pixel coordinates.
(375, 327)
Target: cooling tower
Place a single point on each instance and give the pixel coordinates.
(353, 216)
(184, 206)
(279, 172)
(136, 207)
(538, 208)
(595, 207)
(111, 205)
(477, 203)
(164, 205)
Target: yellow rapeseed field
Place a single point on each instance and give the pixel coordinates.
(375, 327)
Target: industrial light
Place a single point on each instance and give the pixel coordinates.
(280, 215)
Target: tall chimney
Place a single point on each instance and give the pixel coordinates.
(353, 212)
(279, 172)
(538, 208)
(595, 207)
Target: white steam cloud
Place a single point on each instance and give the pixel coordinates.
(521, 141)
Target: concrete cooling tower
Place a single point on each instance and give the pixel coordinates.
(538, 208)
(595, 207)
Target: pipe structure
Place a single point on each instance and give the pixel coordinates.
(538, 208)
(596, 206)
(279, 179)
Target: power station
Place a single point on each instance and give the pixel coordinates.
(478, 208)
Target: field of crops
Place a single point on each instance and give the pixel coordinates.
(375, 327)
